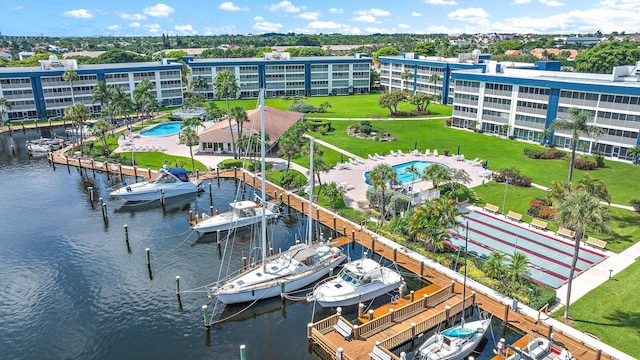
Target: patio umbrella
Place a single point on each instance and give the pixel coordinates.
(486, 164)
(341, 157)
(415, 145)
(458, 149)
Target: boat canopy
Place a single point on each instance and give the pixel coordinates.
(460, 332)
(180, 173)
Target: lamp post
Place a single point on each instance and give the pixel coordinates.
(504, 200)
(610, 272)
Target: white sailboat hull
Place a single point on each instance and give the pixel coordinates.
(228, 221)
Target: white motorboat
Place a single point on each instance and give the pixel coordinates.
(539, 348)
(243, 213)
(455, 343)
(358, 281)
(38, 148)
(45, 144)
(293, 269)
(168, 182)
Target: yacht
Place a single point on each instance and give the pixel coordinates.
(454, 343)
(167, 182)
(358, 281)
(243, 213)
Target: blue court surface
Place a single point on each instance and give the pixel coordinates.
(549, 258)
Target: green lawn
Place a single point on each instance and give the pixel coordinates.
(611, 311)
(348, 106)
(330, 156)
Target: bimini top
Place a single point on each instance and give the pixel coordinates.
(180, 173)
(460, 332)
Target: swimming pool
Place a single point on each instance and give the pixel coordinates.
(164, 129)
(401, 174)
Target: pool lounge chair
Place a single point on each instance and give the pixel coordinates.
(393, 153)
(435, 152)
(360, 160)
(427, 152)
(400, 153)
(476, 162)
(371, 157)
(378, 156)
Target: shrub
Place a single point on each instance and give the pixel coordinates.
(299, 106)
(399, 203)
(356, 127)
(447, 122)
(541, 297)
(375, 197)
(583, 164)
(552, 154)
(599, 157)
(365, 122)
(366, 129)
(636, 205)
(514, 177)
(323, 129)
(533, 153)
(354, 215)
(313, 125)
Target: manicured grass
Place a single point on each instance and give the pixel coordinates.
(330, 156)
(348, 106)
(610, 311)
(500, 152)
(155, 160)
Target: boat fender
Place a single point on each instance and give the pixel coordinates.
(128, 189)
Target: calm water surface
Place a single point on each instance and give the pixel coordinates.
(72, 291)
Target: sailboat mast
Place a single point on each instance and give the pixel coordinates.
(311, 184)
(263, 188)
(464, 282)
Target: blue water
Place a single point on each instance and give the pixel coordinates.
(71, 290)
(164, 129)
(401, 174)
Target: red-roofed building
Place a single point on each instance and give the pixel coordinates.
(217, 138)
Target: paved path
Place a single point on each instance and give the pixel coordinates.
(333, 147)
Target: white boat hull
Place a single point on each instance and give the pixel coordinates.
(225, 222)
(355, 299)
(435, 348)
(149, 193)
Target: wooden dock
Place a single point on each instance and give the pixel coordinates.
(392, 329)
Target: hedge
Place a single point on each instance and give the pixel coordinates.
(249, 165)
(314, 124)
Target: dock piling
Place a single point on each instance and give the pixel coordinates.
(126, 237)
(162, 197)
(90, 188)
(211, 195)
(282, 293)
(148, 253)
(210, 210)
(243, 352)
(205, 314)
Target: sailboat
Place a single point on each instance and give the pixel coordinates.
(299, 266)
(459, 341)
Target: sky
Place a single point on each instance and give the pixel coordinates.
(206, 17)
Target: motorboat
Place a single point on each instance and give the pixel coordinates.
(167, 182)
(539, 348)
(454, 343)
(243, 213)
(299, 266)
(358, 281)
(45, 144)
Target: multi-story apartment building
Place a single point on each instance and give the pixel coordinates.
(522, 103)
(283, 75)
(421, 71)
(38, 92)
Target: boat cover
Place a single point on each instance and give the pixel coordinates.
(180, 173)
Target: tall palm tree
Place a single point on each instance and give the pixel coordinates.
(194, 123)
(213, 111)
(189, 137)
(333, 192)
(5, 106)
(71, 76)
(413, 170)
(141, 94)
(240, 116)
(595, 188)
(580, 212)
(578, 125)
(406, 76)
(119, 103)
(494, 265)
(289, 146)
(434, 78)
(379, 176)
(101, 130)
(431, 222)
(517, 267)
(459, 176)
(634, 152)
(102, 93)
(436, 173)
(199, 83)
(225, 85)
(78, 114)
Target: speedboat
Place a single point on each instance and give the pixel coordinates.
(358, 281)
(168, 182)
(291, 270)
(45, 144)
(243, 213)
(454, 343)
(540, 348)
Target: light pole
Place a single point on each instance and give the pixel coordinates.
(504, 200)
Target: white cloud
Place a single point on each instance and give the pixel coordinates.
(220, 30)
(258, 18)
(365, 18)
(18, 8)
(158, 10)
(286, 6)
(551, 2)
(134, 25)
(267, 26)
(114, 27)
(375, 30)
(441, 2)
(132, 16)
(468, 14)
(153, 28)
(520, 2)
(186, 29)
(229, 6)
(620, 4)
(336, 10)
(373, 12)
(79, 14)
(325, 25)
(403, 26)
(310, 15)
(416, 14)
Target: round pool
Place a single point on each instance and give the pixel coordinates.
(164, 129)
(401, 175)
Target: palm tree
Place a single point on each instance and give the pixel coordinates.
(213, 111)
(634, 152)
(517, 267)
(240, 116)
(580, 212)
(194, 122)
(189, 137)
(225, 85)
(71, 76)
(199, 83)
(406, 76)
(436, 173)
(558, 190)
(324, 107)
(319, 166)
(434, 78)
(413, 170)
(333, 192)
(289, 146)
(595, 188)
(141, 95)
(5, 106)
(103, 93)
(431, 221)
(379, 176)
(78, 114)
(577, 125)
(101, 130)
(459, 176)
(494, 265)
(119, 103)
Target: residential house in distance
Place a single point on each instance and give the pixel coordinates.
(5, 55)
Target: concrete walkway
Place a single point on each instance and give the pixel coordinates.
(330, 146)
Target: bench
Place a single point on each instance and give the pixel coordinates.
(566, 233)
(596, 243)
(344, 329)
(514, 216)
(491, 208)
(542, 225)
(379, 354)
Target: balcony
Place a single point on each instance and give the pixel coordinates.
(501, 106)
(571, 102)
(531, 111)
(620, 123)
(468, 89)
(466, 114)
(462, 101)
(505, 93)
(497, 119)
(529, 124)
(538, 97)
